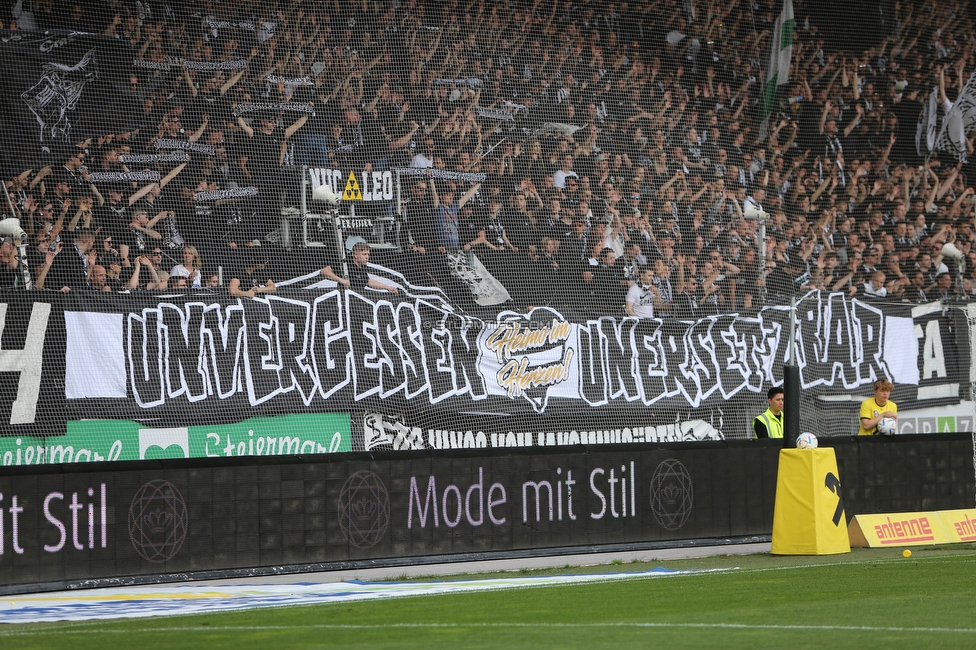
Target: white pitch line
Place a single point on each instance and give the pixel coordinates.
(892, 560)
(581, 579)
(183, 600)
(496, 625)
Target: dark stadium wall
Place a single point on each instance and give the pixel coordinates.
(917, 473)
(159, 520)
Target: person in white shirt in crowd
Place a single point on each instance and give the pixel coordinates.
(875, 286)
(565, 171)
(643, 296)
(191, 268)
(424, 159)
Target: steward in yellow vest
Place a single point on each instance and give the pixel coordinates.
(769, 424)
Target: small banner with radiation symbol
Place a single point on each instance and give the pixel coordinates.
(352, 191)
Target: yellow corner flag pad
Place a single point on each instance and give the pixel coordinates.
(352, 191)
(808, 518)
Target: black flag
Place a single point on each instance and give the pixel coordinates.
(64, 87)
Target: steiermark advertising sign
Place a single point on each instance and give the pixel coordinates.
(114, 440)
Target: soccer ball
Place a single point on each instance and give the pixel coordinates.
(806, 441)
(887, 426)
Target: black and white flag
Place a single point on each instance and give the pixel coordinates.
(959, 122)
(484, 287)
(57, 85)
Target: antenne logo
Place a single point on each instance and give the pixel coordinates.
(29, 362)
(672, 494)
(364, 509)
(164, 439)
(158, 521)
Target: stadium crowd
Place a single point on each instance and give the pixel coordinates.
(599, 157)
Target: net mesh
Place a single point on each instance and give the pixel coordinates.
(255, 228)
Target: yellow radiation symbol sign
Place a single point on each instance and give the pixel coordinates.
(352, 191)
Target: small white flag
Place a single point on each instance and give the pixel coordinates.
(958, 122)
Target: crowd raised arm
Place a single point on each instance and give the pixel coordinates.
(607, 158)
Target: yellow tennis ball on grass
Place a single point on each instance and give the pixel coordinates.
(906, 553)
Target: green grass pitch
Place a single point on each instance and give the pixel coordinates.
(868, 599)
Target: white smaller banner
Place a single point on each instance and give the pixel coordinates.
(94, 363)
(901, 350)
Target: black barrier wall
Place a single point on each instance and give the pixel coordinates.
(172, 517)
(910, 473)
